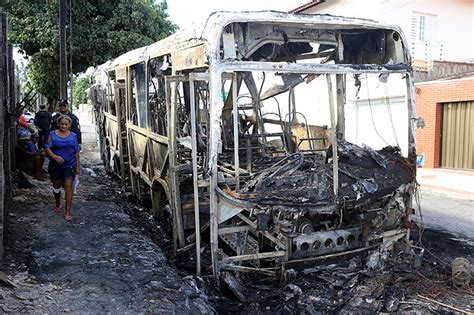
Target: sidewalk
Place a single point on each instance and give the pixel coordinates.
(458, 182)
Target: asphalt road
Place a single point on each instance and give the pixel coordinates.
(448, 213)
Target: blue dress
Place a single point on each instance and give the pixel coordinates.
(64, 147)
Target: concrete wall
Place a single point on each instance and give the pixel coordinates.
(377, 116)
(443, 69)
(449, 69)
(85, 113)
(429, 99)
(454, 40)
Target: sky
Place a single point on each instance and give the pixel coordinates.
(184, 12)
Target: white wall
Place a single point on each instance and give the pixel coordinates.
(85, 113)
(455, 22)
(311, 100)
(376, 115)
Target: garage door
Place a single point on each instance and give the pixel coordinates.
(457, 142)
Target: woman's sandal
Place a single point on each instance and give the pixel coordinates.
(68, 217)
(57, 209)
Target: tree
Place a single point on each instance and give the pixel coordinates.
(79, 93)
(101, 30)
(43, 73)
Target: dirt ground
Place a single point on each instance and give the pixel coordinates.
(114, 258)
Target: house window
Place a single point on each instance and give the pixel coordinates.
(424, 27)
(421, 28)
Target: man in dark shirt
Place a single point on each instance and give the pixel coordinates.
(43, 121)
(75, 126)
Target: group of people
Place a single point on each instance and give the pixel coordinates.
(58, 138)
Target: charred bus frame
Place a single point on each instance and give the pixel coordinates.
(172, 128)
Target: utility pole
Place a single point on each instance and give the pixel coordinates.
(71, 75)
(62, 50)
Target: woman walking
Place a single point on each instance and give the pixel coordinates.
(64, 165)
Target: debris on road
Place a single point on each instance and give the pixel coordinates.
(115, 257)
(5, 281)
(461, 272)
(452, 308)
(99, 262)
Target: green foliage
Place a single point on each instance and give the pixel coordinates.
(43, 73)
(33, 28)
(79, 93)
(101, 30)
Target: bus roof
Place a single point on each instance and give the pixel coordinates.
(210, 30)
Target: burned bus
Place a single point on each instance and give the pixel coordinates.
(273, 139)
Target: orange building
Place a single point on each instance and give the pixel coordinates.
(447, 106)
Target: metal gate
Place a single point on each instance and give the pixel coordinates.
(457, 143)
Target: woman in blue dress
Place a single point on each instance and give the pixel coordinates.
(64, 164)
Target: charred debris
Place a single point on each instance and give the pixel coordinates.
(293, 196)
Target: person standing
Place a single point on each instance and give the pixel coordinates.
(43, 121)
(63, 107)
(62, 148)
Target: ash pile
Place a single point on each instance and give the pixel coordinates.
(364, 174)
(295, 199)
